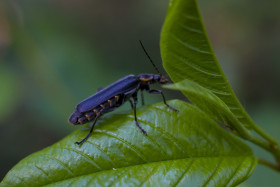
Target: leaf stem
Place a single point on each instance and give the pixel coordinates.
(275, 151)
(258, 130)
(268, 164)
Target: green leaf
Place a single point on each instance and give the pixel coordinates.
(187, 54)
(211, 105)
(185, 148)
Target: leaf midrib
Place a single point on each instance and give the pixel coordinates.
(198, 157)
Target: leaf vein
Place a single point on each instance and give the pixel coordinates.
(83, 155)
(123, 141)
(196, 66)
(102, 151)
(189, 46)
(172, 138)
(190, 28)
(60, 163)
(119, 176)
(150, 175)
(214, 172)
(184, 172)
(42, 171)
(160, 131)
(190, 17)
(234, 173)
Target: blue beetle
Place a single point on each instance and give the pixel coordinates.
(115, 95)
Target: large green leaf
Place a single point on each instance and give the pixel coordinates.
(187, 54)
(184, 148)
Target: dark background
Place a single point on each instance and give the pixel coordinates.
(55, 53)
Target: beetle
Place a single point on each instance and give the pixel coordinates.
(115, 95)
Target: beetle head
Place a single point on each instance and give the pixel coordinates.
(161, 79)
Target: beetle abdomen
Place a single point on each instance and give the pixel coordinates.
(85, 117)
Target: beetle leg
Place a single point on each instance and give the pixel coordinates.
(93, 124)
(142, 98)
(131, 104)
(135, 101)
(163, 97)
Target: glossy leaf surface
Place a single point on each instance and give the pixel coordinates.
(184, 148)
(187, 54)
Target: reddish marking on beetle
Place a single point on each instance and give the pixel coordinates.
(95, 111)
(146, 79)
(102, 106)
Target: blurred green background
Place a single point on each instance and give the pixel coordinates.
(55, 53)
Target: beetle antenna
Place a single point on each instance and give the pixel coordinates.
(149, 57)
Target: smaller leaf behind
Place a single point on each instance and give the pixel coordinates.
(210, 104)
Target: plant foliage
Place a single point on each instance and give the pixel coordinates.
(185, 148)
